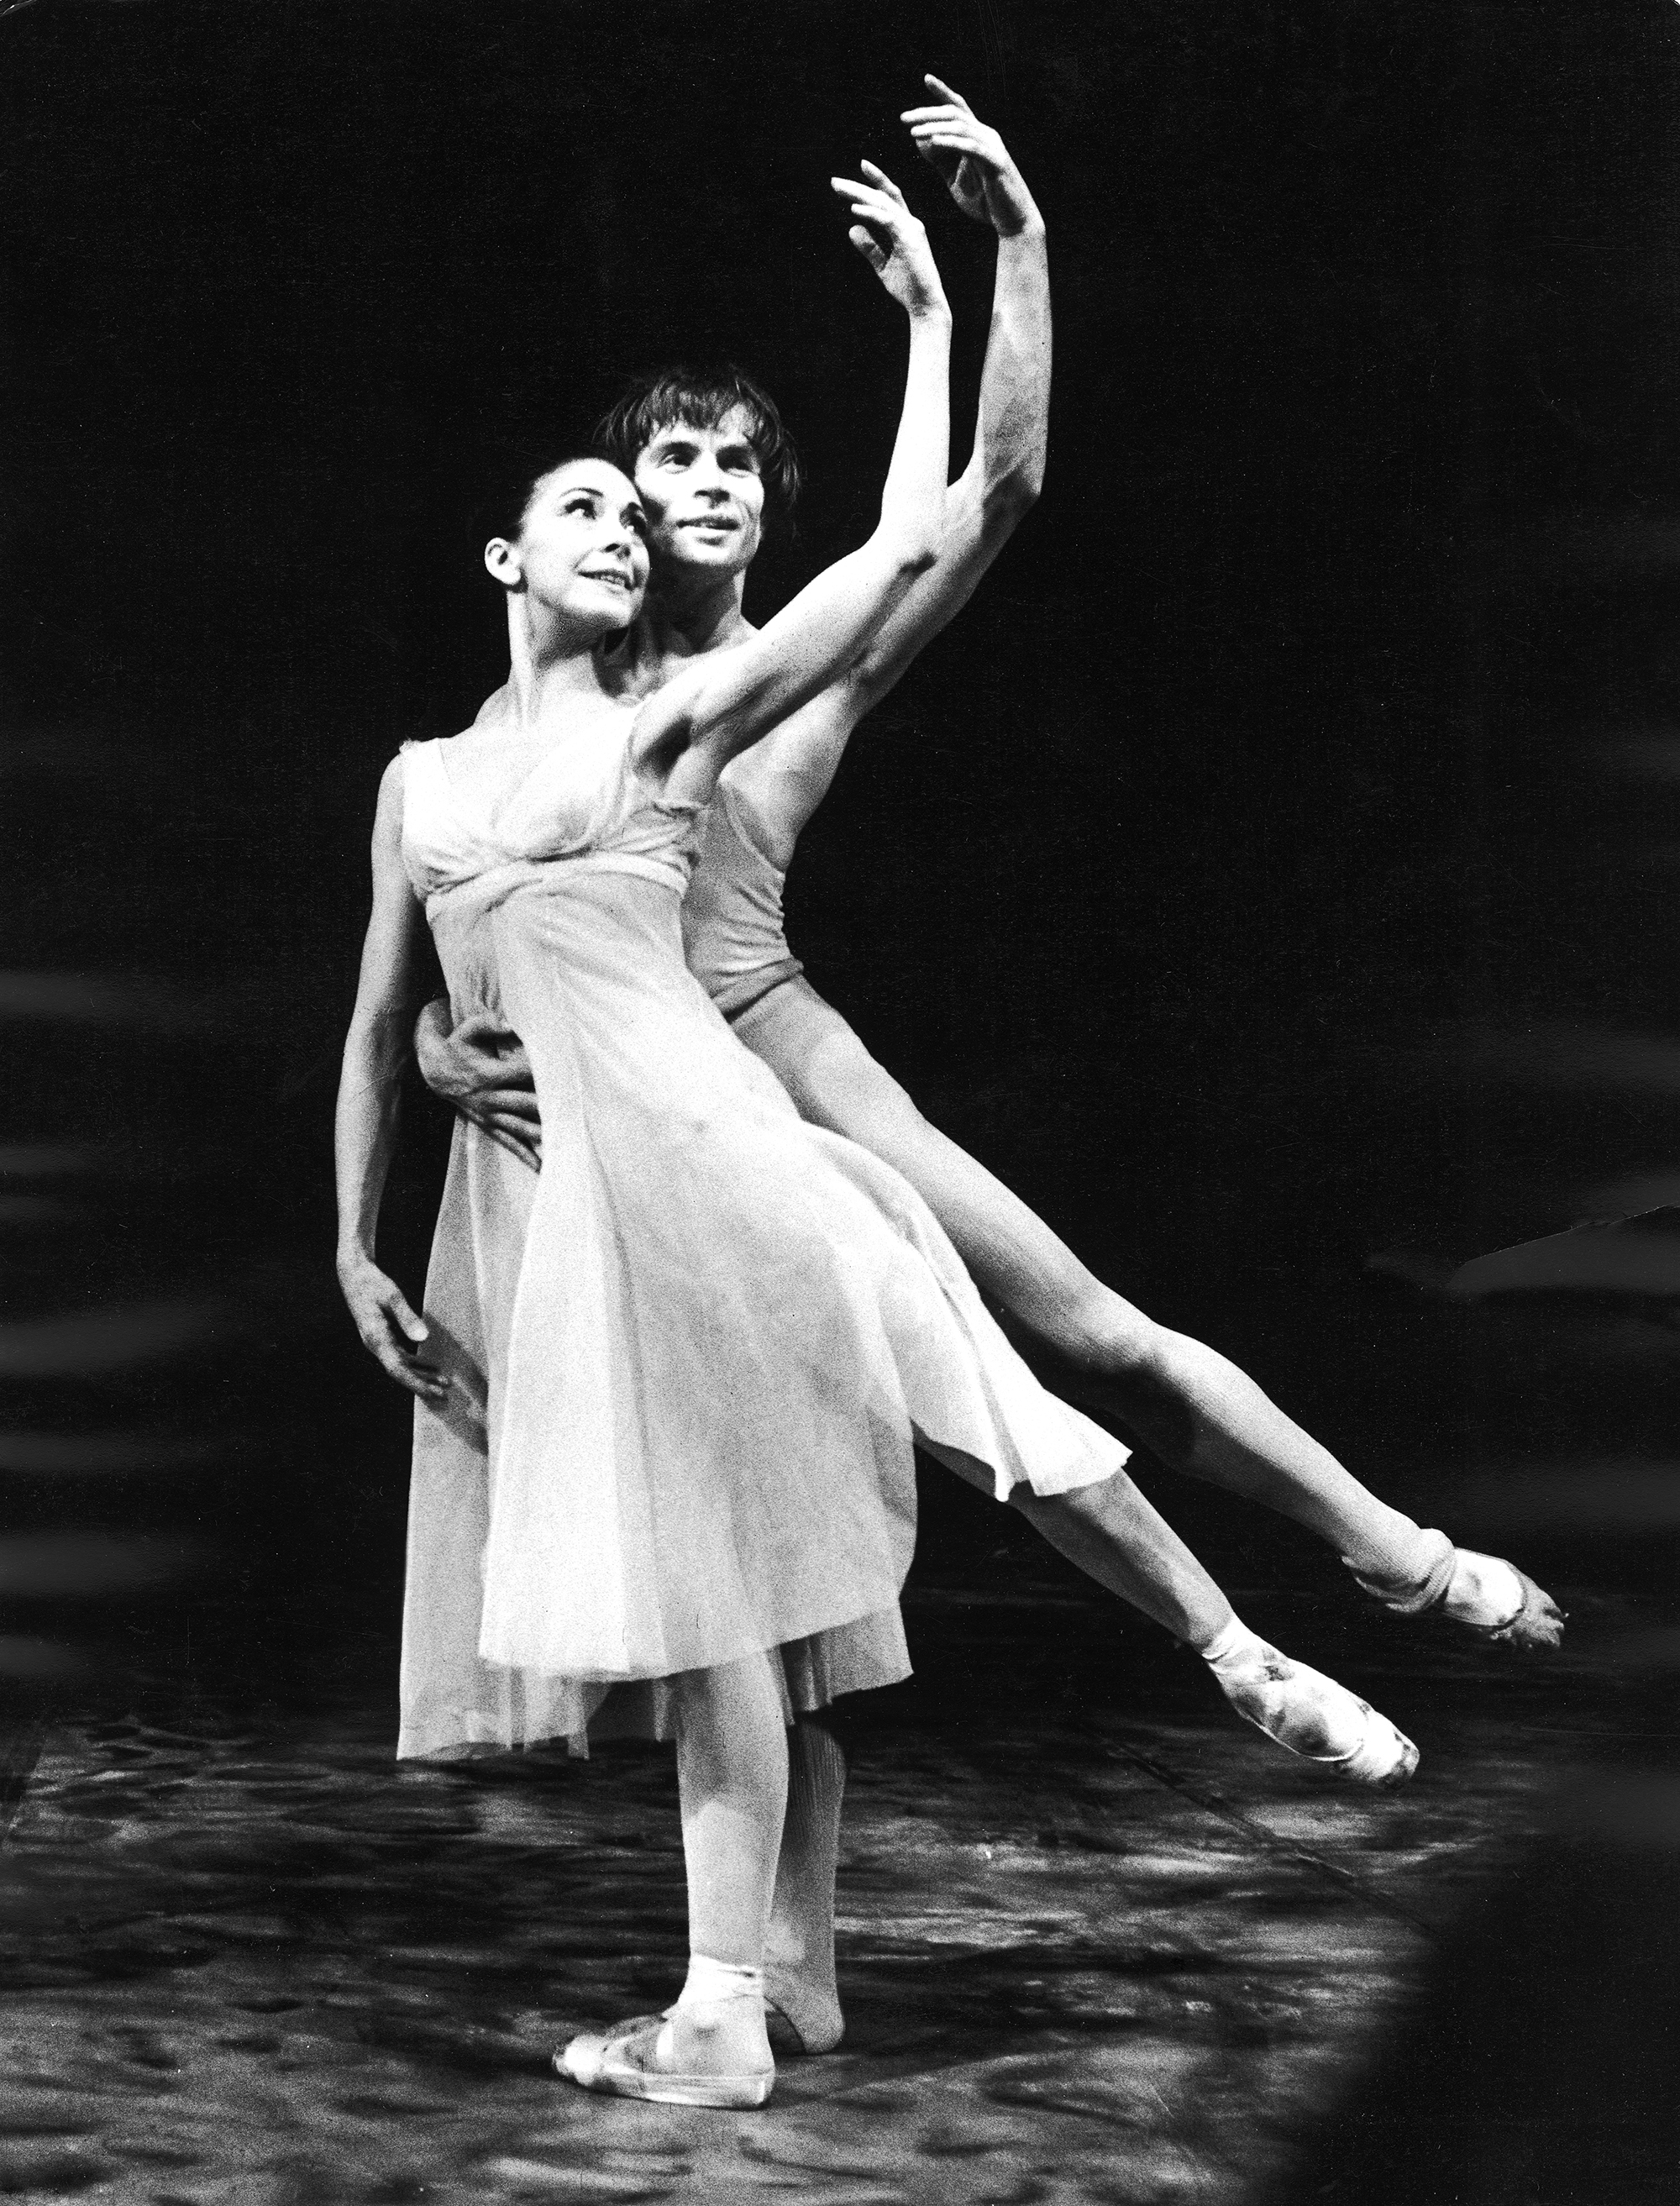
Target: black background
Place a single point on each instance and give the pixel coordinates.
(1199, 878)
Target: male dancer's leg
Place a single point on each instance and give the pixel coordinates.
(1192, 1406)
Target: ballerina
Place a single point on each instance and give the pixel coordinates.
(703, 454)
(1109, 1529)
(721, 1330)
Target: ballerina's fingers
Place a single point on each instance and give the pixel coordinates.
(393, 1336)
(891, 240)
(865, 199)
(881, 182)
(887, 207)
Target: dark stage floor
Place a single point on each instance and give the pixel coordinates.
(1099, 1943)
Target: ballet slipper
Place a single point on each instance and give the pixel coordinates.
(803, 2018)
(1535, 1626)
(1311, 1716)
(638, 2059)
(1484, 1594)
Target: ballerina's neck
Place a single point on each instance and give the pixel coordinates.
(547, 683)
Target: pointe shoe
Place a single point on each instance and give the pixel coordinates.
(1484, 1594)
(635, 2061)
(1310, 1715)
(802, 2018)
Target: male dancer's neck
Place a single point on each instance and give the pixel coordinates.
(694, 610)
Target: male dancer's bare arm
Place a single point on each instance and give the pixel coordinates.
(476, 1066)
(479, 1068)
(727, 700)
(789, 773)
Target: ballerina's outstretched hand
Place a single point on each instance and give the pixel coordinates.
(722, 701)
(892, 241)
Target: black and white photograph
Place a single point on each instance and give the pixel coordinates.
(840, 1178)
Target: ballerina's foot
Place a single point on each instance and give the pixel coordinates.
(1309, 1715)
(1485, 1594)
(803, 2015)
(683, 2058)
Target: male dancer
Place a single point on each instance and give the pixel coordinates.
(702, 454)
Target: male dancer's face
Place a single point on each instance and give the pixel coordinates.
(704, 497)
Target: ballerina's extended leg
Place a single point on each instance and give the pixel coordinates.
(1191, 1406)
(1307, 1713)
(1117, 1537)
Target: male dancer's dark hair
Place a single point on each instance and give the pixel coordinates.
(703, 397)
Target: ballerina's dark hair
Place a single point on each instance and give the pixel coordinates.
(512, 481)
(703, 397)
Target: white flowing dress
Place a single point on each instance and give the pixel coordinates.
(691, 1357)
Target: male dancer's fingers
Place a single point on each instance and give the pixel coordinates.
(507, 1103)
(968, 140)
(947, 92)
(517, 1138)
(495, 1129)
(958, 145)
(482, 1035)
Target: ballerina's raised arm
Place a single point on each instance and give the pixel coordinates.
(688, 730)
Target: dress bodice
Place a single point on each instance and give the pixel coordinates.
(583, 800)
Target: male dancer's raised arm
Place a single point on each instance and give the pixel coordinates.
(790, 772)
(478, 1066)
(701, 464)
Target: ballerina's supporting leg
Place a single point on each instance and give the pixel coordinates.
(710, 2048)
(1190, 1406)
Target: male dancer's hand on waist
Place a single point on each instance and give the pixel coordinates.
(479, 1068)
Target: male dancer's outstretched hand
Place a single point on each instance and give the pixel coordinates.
(973, 162)
(482, 1071)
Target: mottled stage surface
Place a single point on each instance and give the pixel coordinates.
(1099, 1942)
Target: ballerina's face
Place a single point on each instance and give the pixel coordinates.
(704, 494)
(583, 546)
